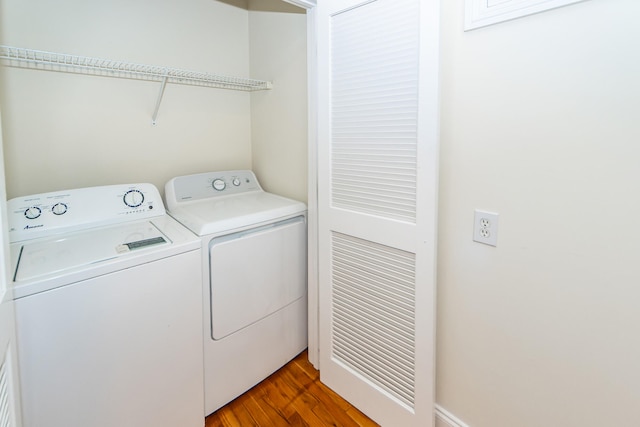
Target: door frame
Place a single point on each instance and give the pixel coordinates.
(312, 190)
(312, 182)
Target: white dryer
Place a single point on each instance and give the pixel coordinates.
(108, 299)
(254, 247)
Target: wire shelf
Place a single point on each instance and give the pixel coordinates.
(51, 61)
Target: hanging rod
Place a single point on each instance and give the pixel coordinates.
(51, 61)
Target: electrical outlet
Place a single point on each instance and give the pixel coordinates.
(485, 227)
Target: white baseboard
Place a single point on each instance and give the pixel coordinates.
(445, 418)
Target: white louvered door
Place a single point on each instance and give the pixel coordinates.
(377, 182)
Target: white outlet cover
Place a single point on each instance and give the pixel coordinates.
(485, 227)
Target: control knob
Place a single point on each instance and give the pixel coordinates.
(133, 198)
(236, 182)
(33, 212)
(219, 184)
(59, 209)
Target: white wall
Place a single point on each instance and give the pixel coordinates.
(278, 47)
(540, 123)
(65, 131)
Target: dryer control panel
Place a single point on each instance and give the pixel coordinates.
(209, 185)
(46, 214)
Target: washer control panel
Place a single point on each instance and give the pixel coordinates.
(208, 185)
(50, 213)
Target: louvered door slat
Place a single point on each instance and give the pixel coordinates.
(373, 306)
(6, 419)
(374, 77)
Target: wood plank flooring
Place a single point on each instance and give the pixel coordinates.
(292, 396)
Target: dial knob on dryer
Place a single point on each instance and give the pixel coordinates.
(219, 184)
(236, 182)
(33, 212)
(59, 209)
(133, 198)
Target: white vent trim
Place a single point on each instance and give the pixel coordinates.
(481, 13)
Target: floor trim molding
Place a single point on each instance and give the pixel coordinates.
(448, 418)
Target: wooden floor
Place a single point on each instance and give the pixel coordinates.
(293, 396)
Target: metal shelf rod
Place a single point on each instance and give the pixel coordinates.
(51, 61)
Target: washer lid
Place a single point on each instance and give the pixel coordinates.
(52, 256)
(214, 215)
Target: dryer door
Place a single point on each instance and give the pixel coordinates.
(256, 272)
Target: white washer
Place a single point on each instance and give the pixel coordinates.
(254, 247)
(108, 301)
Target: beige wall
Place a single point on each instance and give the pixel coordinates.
(65, 131)
(279, 117)
(540, 123)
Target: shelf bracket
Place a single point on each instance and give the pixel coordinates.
(162, 86)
